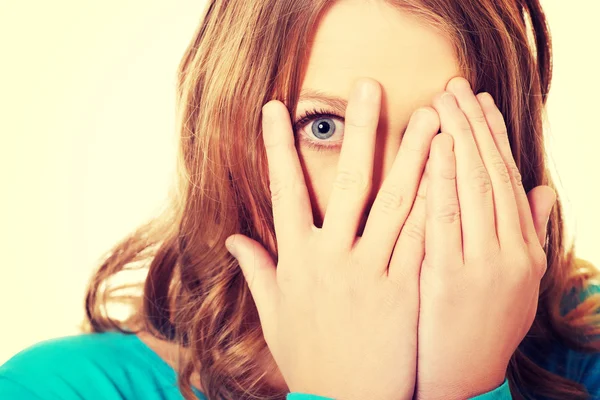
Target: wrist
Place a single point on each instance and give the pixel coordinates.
(459, 391)
(483, 387)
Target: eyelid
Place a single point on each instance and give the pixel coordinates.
(312, 112)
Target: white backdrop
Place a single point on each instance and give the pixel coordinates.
(87, 152)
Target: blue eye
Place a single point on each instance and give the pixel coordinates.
(324, 129)
(323, 134)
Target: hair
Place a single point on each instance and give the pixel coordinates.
(245, 53)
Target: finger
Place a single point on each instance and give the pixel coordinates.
(292, 212)
(541, 200)
(443, 242)
(355, 167)
(496, 123)
(474, 186)
(409, 249)
(397, 193)
(508, 228)
(261, 275)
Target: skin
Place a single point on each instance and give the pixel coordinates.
(411, 61)
(412, 76)
(420, 65)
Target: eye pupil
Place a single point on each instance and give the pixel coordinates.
(323, 128)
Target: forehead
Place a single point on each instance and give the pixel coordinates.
(357, 38)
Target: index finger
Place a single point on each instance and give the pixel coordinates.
(292, 212)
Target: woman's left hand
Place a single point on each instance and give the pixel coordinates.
(484, 259)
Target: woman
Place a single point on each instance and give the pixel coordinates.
(430, 334)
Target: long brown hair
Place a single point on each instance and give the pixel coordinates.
(245, 53)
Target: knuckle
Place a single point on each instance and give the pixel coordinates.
(414, 145)
(465, 127)
(448, 172)
(278, 187)
(355, 123)
(521, 270)
(404, 277)
(480, 179)
(516, 174)
(414, 229)
(501, 169)
(390, 200)
(362, 122)
(501, 133)
(449, 213)
(279, 145)
(348, 180)
(478, 117)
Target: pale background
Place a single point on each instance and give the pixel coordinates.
(87, 94)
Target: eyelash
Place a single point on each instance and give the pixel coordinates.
(310, 115)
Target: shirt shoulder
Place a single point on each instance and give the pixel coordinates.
(10, 389)
(581, 367)
(110, 365)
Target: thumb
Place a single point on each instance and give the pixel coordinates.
(541, 201)
(260, 274)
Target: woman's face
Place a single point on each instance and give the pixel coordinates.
(357, 38)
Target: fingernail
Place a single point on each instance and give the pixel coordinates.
(364, 90)
(230, 247)
(448, 99)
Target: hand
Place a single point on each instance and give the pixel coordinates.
(339, 317)
(484, 261)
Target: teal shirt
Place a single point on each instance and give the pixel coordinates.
(112, 365)
(108, 365)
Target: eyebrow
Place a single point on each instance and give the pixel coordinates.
(336, 103)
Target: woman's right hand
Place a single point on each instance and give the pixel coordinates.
(339, 317)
